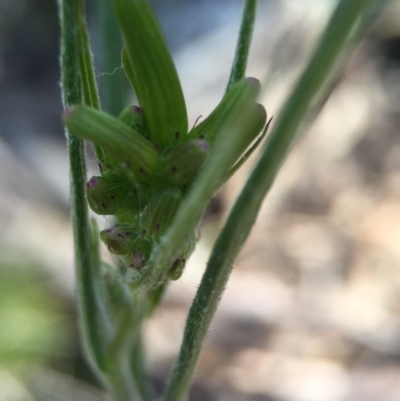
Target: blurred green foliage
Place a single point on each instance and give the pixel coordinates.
(33, 318)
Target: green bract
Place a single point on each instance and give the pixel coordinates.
(150, 160)
(121, 238)
(230, 105)
(114, 193)
(161, 211)
(151, 71)
(181, 162)
(128, 147)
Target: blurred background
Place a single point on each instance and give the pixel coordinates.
(312, 310)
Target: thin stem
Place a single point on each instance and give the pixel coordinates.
(120, 384)
(91, 325)
(137, 369)
(89, 85)
(245, 210)
(126, 377)
(78, 82)
(243, 44)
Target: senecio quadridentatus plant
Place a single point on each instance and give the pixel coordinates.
(149, 159)
(157, 175)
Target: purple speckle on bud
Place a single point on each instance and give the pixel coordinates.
(138, 260)
(203, 145)
(137, 110)
(93, 183)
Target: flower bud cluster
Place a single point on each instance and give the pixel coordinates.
(150, 158)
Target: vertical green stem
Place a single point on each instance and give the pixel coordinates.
(91, 325)
(120, 384)
(246, 208)
(125, 376)
(243, 44)
(88, 78)
(137, 369)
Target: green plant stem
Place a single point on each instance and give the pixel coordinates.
(91, 325)
(137, 364)
(245, 210)
(89, 85)
(243, 44)
(126, 376)
(120, 384)
(128, 371)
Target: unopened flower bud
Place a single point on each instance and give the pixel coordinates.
(125, 144)
(115, 194)
(256, 119)
(161, 211)
(240, 95)
(179, 264)
(139, 254)
(177, 269)
(120, 239)
(133, 117)
(103, 198)
(183, 161)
